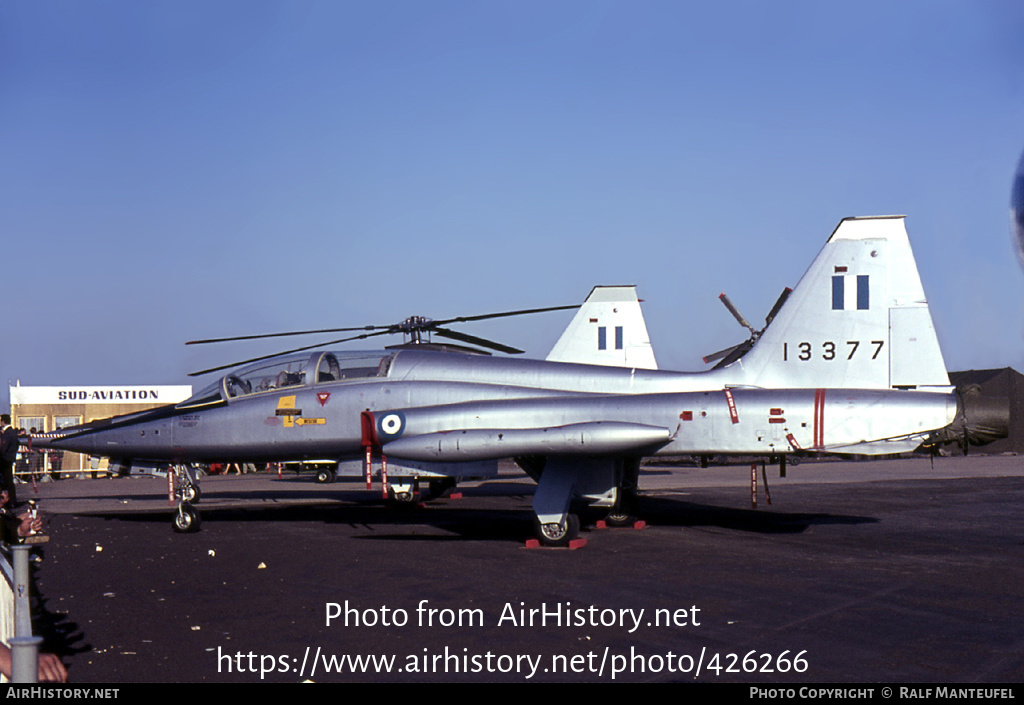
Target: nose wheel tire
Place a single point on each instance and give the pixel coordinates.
(559, 535)
(186, 519)
(191, 493)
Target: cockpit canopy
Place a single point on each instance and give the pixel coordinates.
(290, 371)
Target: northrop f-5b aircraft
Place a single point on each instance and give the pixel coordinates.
(849, 363)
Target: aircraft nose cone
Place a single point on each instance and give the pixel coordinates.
(1017, 210)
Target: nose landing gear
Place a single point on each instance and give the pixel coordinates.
(183, 487)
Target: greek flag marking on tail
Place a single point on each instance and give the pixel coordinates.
(850, 291)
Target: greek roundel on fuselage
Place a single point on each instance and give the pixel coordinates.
(390, 425)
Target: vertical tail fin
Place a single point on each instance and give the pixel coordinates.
(857, 319)
(608, 329)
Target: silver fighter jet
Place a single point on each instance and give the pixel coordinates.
(850, 363)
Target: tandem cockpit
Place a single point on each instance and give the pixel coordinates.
(291, 371)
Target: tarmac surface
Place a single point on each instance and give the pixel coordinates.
(883, 571)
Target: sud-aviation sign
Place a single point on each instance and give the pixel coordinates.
(163, 394)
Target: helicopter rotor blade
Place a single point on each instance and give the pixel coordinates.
(522, 312)
(735, 312)
(731, 354)
(407, 326)
(777, 307)
(736, 353)
(722, 353)
(287, 352)
(474, 340)
(281, 335)
(411, 326)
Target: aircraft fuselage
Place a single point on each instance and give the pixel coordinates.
(440, 396)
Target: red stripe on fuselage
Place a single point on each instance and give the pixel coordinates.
(819, 418)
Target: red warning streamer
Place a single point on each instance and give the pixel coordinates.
(369, 441)
(732, 406)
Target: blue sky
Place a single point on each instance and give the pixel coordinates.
(175, 170)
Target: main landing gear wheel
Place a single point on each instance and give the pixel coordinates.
(186, 519)
(619, 518)
(559, 535)
(441, 488)
(325, 476)
(623, 512)
(404, 497)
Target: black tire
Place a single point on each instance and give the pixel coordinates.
(186, 519)
(623, 512)
(558, 535)
(403, 498)
(619, 518)
(441, 487)
(325, 476)
(191, 493)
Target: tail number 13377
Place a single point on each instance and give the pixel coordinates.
(832, 351)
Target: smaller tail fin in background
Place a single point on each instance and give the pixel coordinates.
(608, 329)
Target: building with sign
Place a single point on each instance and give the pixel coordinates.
(52, 408)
